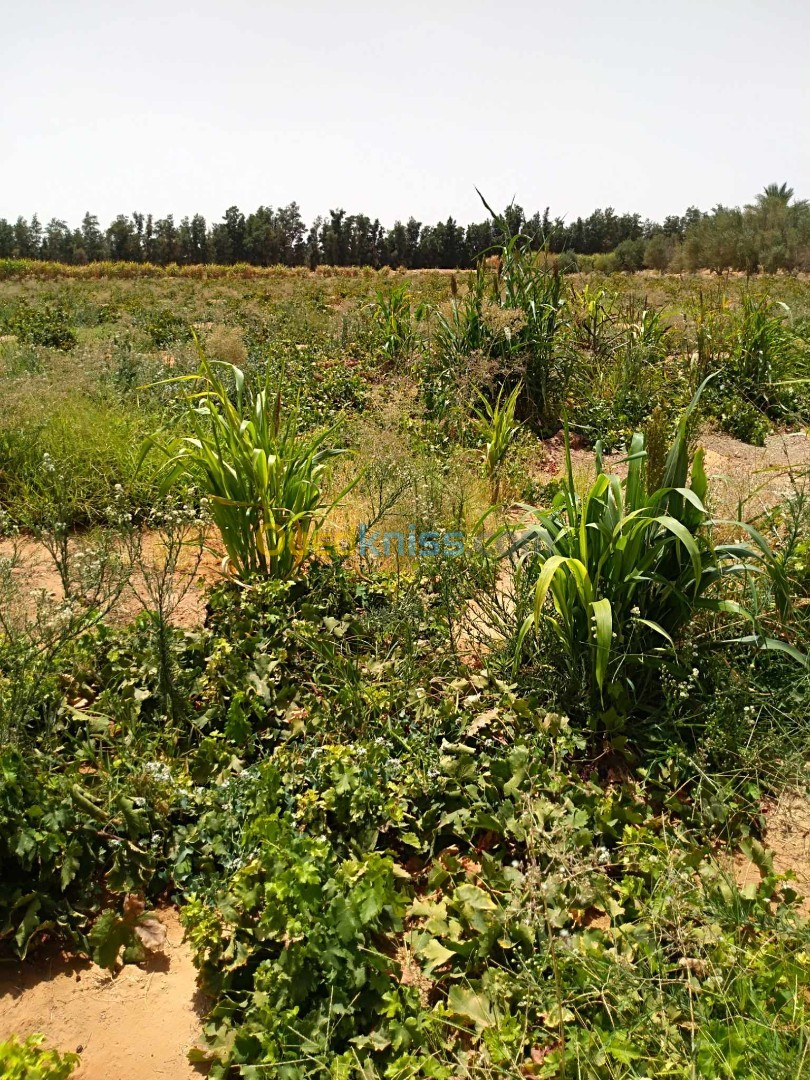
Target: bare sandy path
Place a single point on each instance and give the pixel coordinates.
(136, 1025)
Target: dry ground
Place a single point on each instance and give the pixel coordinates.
(787, 835)
(136, 1025)
(36, 574)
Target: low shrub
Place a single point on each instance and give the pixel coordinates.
(65, 848)
(48, 326)
(164, 327)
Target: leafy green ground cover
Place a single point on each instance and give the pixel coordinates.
(401, 849)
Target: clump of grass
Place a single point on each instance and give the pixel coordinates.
(497, 424)
(758, 356)
(624, 570)
(92, 446)
(396, 320)
(760, 346)
(517, 314)
(262, 477)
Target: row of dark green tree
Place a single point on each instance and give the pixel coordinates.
(771, 233)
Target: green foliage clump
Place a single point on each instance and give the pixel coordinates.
(469, 899)
(29, 1060)
(498, 427)
(165, 327)
(63, 847)
(396, 320)
(72, 461)
(262, 477)
(318, 979)
(515, 316)
(324, 382)
(627, 570)
(759, 369)
(624, 370)
(48, 326)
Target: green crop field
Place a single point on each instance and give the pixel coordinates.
(435, 642)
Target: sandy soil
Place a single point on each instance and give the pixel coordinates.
(758, 477)
(36, 572)
(136, 1025)
(787, 834)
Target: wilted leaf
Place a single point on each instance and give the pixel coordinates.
(151, 933)
(109, 935)
(475, 897)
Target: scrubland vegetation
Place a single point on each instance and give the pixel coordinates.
(460, 810)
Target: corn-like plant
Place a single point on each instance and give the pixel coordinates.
(623, 571)
(461, 329)
(595, 322)
(648, 333)
(710, 323)
(516, 314)
(497, 424)
(262, 478)
(396, 319)
(528, 285)
(761, 351)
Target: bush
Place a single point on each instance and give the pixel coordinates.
(658, 252)
(568, 262)
(742, 419)
(308, 927)
(629, 255)
(517, 316)
(165, 327)
(48, 326)
(63, 849)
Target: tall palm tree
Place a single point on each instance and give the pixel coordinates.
(776, 193)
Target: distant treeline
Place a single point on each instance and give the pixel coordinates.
(773, 233)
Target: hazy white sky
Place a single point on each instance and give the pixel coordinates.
(399, 108)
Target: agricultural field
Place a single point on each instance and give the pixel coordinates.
(412, 665)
